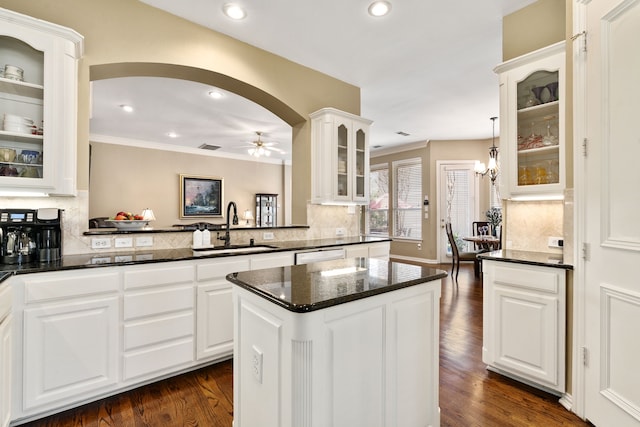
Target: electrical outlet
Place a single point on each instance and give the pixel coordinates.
(101, 243)
(123, 258)
(124, 242)
(341, 231)
(555, 242)
(256, 364)
(144, 241)
(267, 236)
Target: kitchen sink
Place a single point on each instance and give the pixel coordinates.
(233, 249)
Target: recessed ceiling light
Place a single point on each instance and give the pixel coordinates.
(172, 135)
(127, 108)
(379, 8)
(215, 94)
(234, 11)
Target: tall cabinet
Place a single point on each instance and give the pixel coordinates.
(340, 157)
(532, 126)
(38, 105)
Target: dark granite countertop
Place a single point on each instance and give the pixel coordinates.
(181, 228)
(526, 257)
(309, 287)
(105, 259)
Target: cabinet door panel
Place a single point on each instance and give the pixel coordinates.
(215, 320)
(5, 371)
(70, 350)
(526, 337)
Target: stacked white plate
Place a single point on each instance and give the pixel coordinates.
(12, 72)
(13, 123)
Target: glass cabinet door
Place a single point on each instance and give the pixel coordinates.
(360, 156)
(343, 161)
(22, 151)
(266, 210)
(538, 126)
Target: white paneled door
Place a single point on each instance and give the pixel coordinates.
(608, 222)
(458, 202)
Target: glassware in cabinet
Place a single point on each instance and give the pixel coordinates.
(266, 210)
(21, 110)
(532, 130)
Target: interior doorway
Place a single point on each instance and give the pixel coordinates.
(457, 202)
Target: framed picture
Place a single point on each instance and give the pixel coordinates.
(200, 196)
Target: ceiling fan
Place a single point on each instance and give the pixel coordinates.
(260, 148)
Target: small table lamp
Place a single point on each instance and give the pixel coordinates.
(248, 215)
(147, 215)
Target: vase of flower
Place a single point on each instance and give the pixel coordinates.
(494, 217)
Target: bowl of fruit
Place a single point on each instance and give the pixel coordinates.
(128, 221)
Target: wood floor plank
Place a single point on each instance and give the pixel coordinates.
(470, 396)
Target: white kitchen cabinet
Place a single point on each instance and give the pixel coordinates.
(5, 355)
(70, 337)
(214, 328)
(39, 160)
(524, 317)
(368, 250)
(532, 124)
(370, 362)
(158, 314)
(339, 157)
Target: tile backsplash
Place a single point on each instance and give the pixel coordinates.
(529, 224)
(322, 221)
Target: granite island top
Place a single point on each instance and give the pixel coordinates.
(309, 287)
(526, 257)
(106, 259)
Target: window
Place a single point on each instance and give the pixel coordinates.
(379, 200)
(407, 208)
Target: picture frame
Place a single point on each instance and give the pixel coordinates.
(201, 196)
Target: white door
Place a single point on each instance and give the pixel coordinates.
(609, 223)
(458, 202)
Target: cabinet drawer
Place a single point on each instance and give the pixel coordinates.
(216, 268)
(5, 300)
(160, 301)
(355, 251)
(152, 362)
(158, 276)
(46, 286)
(158, 330)
(528, 277)
(271, 260)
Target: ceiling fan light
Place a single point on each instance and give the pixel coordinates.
(234, 11)
(379, 8)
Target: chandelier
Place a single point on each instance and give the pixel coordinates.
(492, 168)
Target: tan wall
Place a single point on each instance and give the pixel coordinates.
(150, 178)
(126, 31)
(533, 27)
(434, 151)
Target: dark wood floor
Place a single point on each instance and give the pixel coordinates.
(469, 394)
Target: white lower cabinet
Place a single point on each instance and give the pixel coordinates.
(68, 340)
(215, 306)
(368, 250)
(524, 322)
(5, 354)
(370, 362)
(158, 314)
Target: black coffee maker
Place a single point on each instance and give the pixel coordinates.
(30, 235)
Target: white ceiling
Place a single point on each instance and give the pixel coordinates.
(425, 69)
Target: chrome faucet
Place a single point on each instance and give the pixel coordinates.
(227, 237)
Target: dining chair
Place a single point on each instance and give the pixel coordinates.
(480, 228)
(459, 256)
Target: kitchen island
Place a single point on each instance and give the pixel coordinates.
(342, 343)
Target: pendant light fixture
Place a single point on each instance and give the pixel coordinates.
(492, 168)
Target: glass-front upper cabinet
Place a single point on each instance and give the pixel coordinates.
(532, 108)
(340, 157)
(38, 105)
